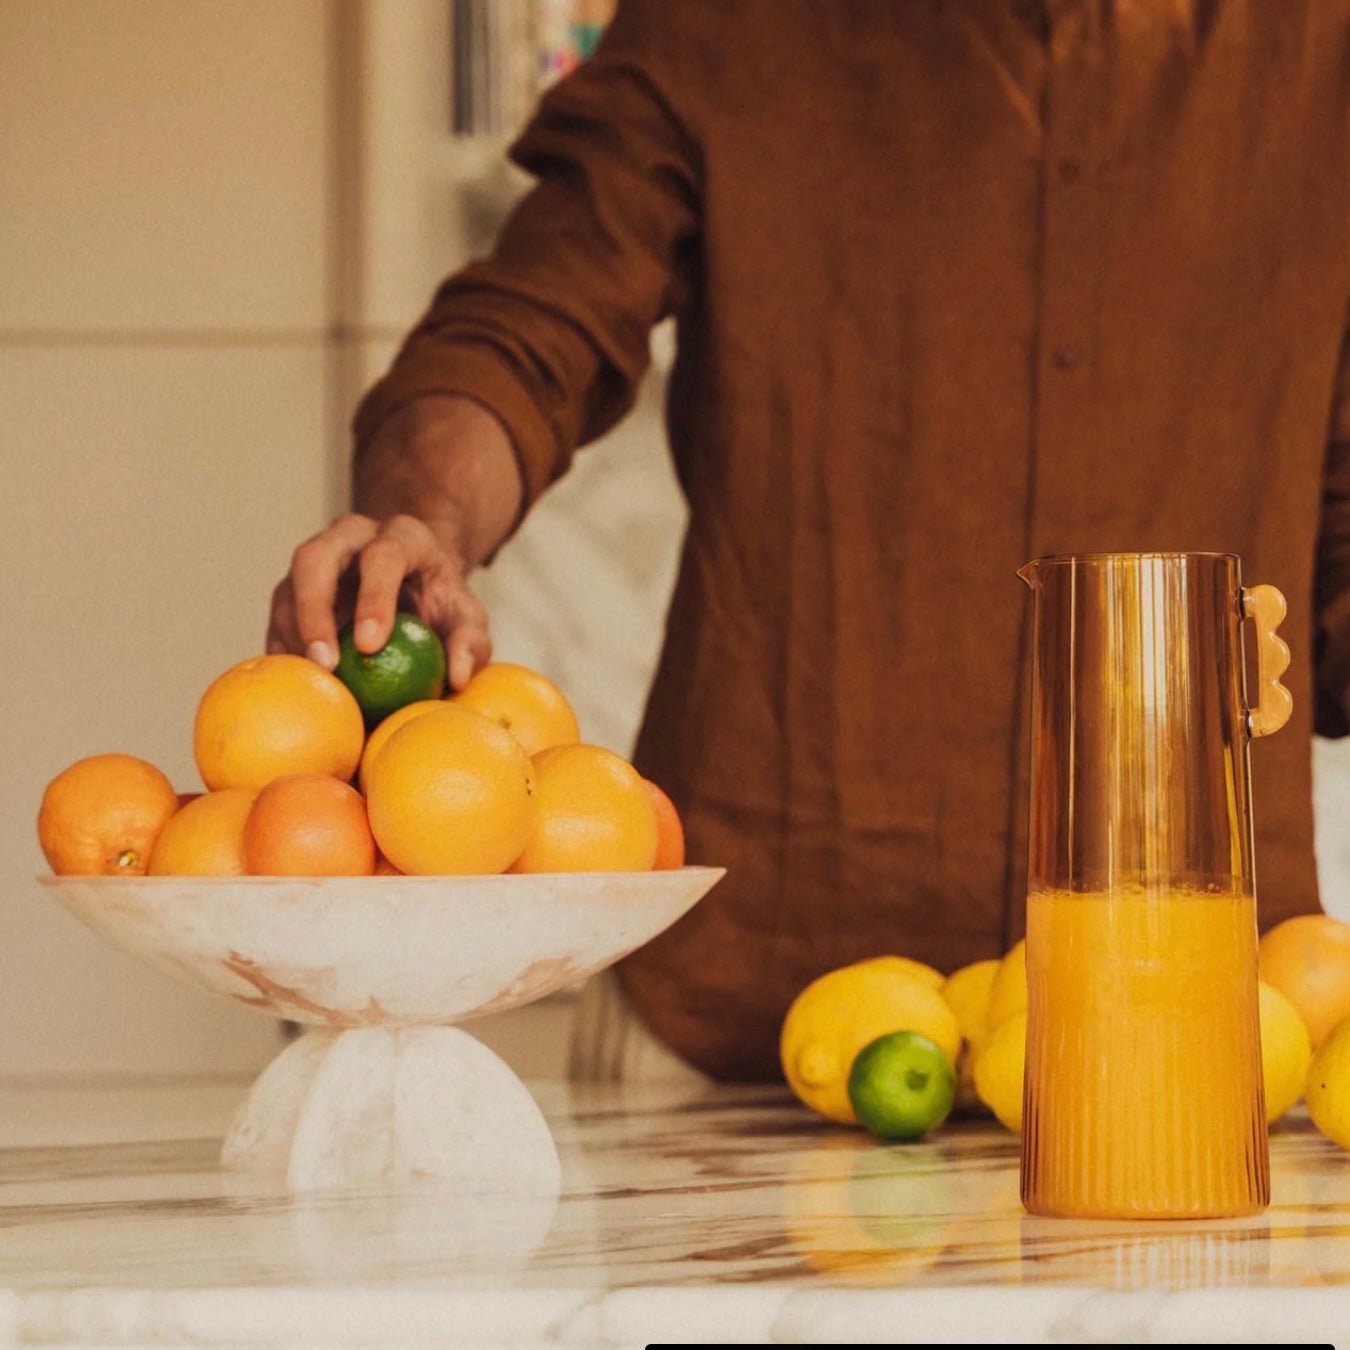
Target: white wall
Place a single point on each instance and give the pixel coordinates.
(166, 437)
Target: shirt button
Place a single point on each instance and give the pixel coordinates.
(1066, 358)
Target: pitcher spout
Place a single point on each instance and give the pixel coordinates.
(1029, 572)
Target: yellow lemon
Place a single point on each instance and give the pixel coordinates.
(1000, 1068)
(967, 993)
(834, 1017)
(1328, 1086)
(1286, 1052)
(1008, 994)
(929, 975)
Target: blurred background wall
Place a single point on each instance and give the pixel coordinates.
(218, 218)
(167, 310)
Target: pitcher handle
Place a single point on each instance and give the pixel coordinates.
(1266, 607)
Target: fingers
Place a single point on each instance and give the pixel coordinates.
(316, 567)
(282, 635)
(404, 547)
(468, 647)
(378, 563)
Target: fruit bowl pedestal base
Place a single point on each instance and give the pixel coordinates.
(377, 1106)
(385, 1089)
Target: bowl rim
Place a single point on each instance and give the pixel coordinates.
(53, 880)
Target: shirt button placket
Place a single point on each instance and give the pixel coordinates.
(1067, 279)
(1064, 324)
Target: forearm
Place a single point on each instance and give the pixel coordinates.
(449, 462)
(551, 332)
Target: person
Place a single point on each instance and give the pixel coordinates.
(956, 285)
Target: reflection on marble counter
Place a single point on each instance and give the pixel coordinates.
(718, 1214)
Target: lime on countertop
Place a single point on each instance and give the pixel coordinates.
(902, 1086)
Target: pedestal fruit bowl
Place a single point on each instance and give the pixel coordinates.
(384, 1087)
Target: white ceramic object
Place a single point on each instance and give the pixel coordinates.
(386, 1089)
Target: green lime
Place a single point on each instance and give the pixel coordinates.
(409, 667)
(902, 1085)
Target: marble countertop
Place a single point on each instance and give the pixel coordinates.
(720, 1214)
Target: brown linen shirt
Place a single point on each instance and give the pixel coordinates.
(958, 283)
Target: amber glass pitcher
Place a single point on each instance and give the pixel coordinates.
(1143, 1073)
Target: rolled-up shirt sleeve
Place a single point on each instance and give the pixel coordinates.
(1332, 638)
(551, 332)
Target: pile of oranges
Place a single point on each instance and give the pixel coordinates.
(299, 783)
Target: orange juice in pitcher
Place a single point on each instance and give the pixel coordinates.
(1143, 1077)
(1156, 1106)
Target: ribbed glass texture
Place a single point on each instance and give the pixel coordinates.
(1143, 1078)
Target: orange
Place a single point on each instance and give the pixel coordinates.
(595, 814)
(276, 715)
(529, 706)
(451, 794)
(669, 831)
(308, 825)
(384, 868)
(205, 838)
(1308, 960)
(391, 724)
(102, 815)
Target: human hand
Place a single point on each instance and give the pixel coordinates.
(437, 489)
(367, 569)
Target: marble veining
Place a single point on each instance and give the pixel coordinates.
(694, 1214)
